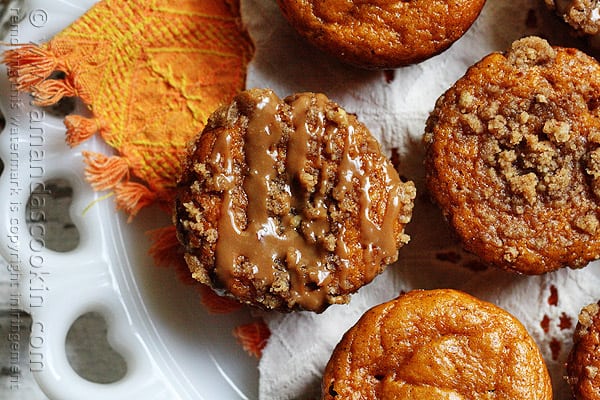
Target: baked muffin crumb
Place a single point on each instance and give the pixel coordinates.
(513, 159)
(582, 15)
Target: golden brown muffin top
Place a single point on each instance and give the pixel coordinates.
(437, 344)
(289, 204)
(513, 157)
(383, 33)
(583, 364)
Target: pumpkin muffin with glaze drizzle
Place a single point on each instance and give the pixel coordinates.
(289, 204)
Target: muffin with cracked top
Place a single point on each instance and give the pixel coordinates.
(381, 34)
(436, 344)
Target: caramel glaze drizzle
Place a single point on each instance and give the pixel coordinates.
(270, 243)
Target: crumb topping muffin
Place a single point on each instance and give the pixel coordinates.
(513, 157)
(582, 15)
(381, 34)
(583, 363)
(289, 204)
(436, 344)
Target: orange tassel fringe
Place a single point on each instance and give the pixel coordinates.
(105, 172)
(80, 129)
(217, 304)
(184, 275)
(166, 249)
(253, 337)
(29, 65)
(131, 197)
(51, 91)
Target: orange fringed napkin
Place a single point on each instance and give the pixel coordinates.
(150, 72)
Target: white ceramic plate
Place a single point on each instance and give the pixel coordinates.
(173, 348)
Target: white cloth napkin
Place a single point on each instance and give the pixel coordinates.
(395, 105)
